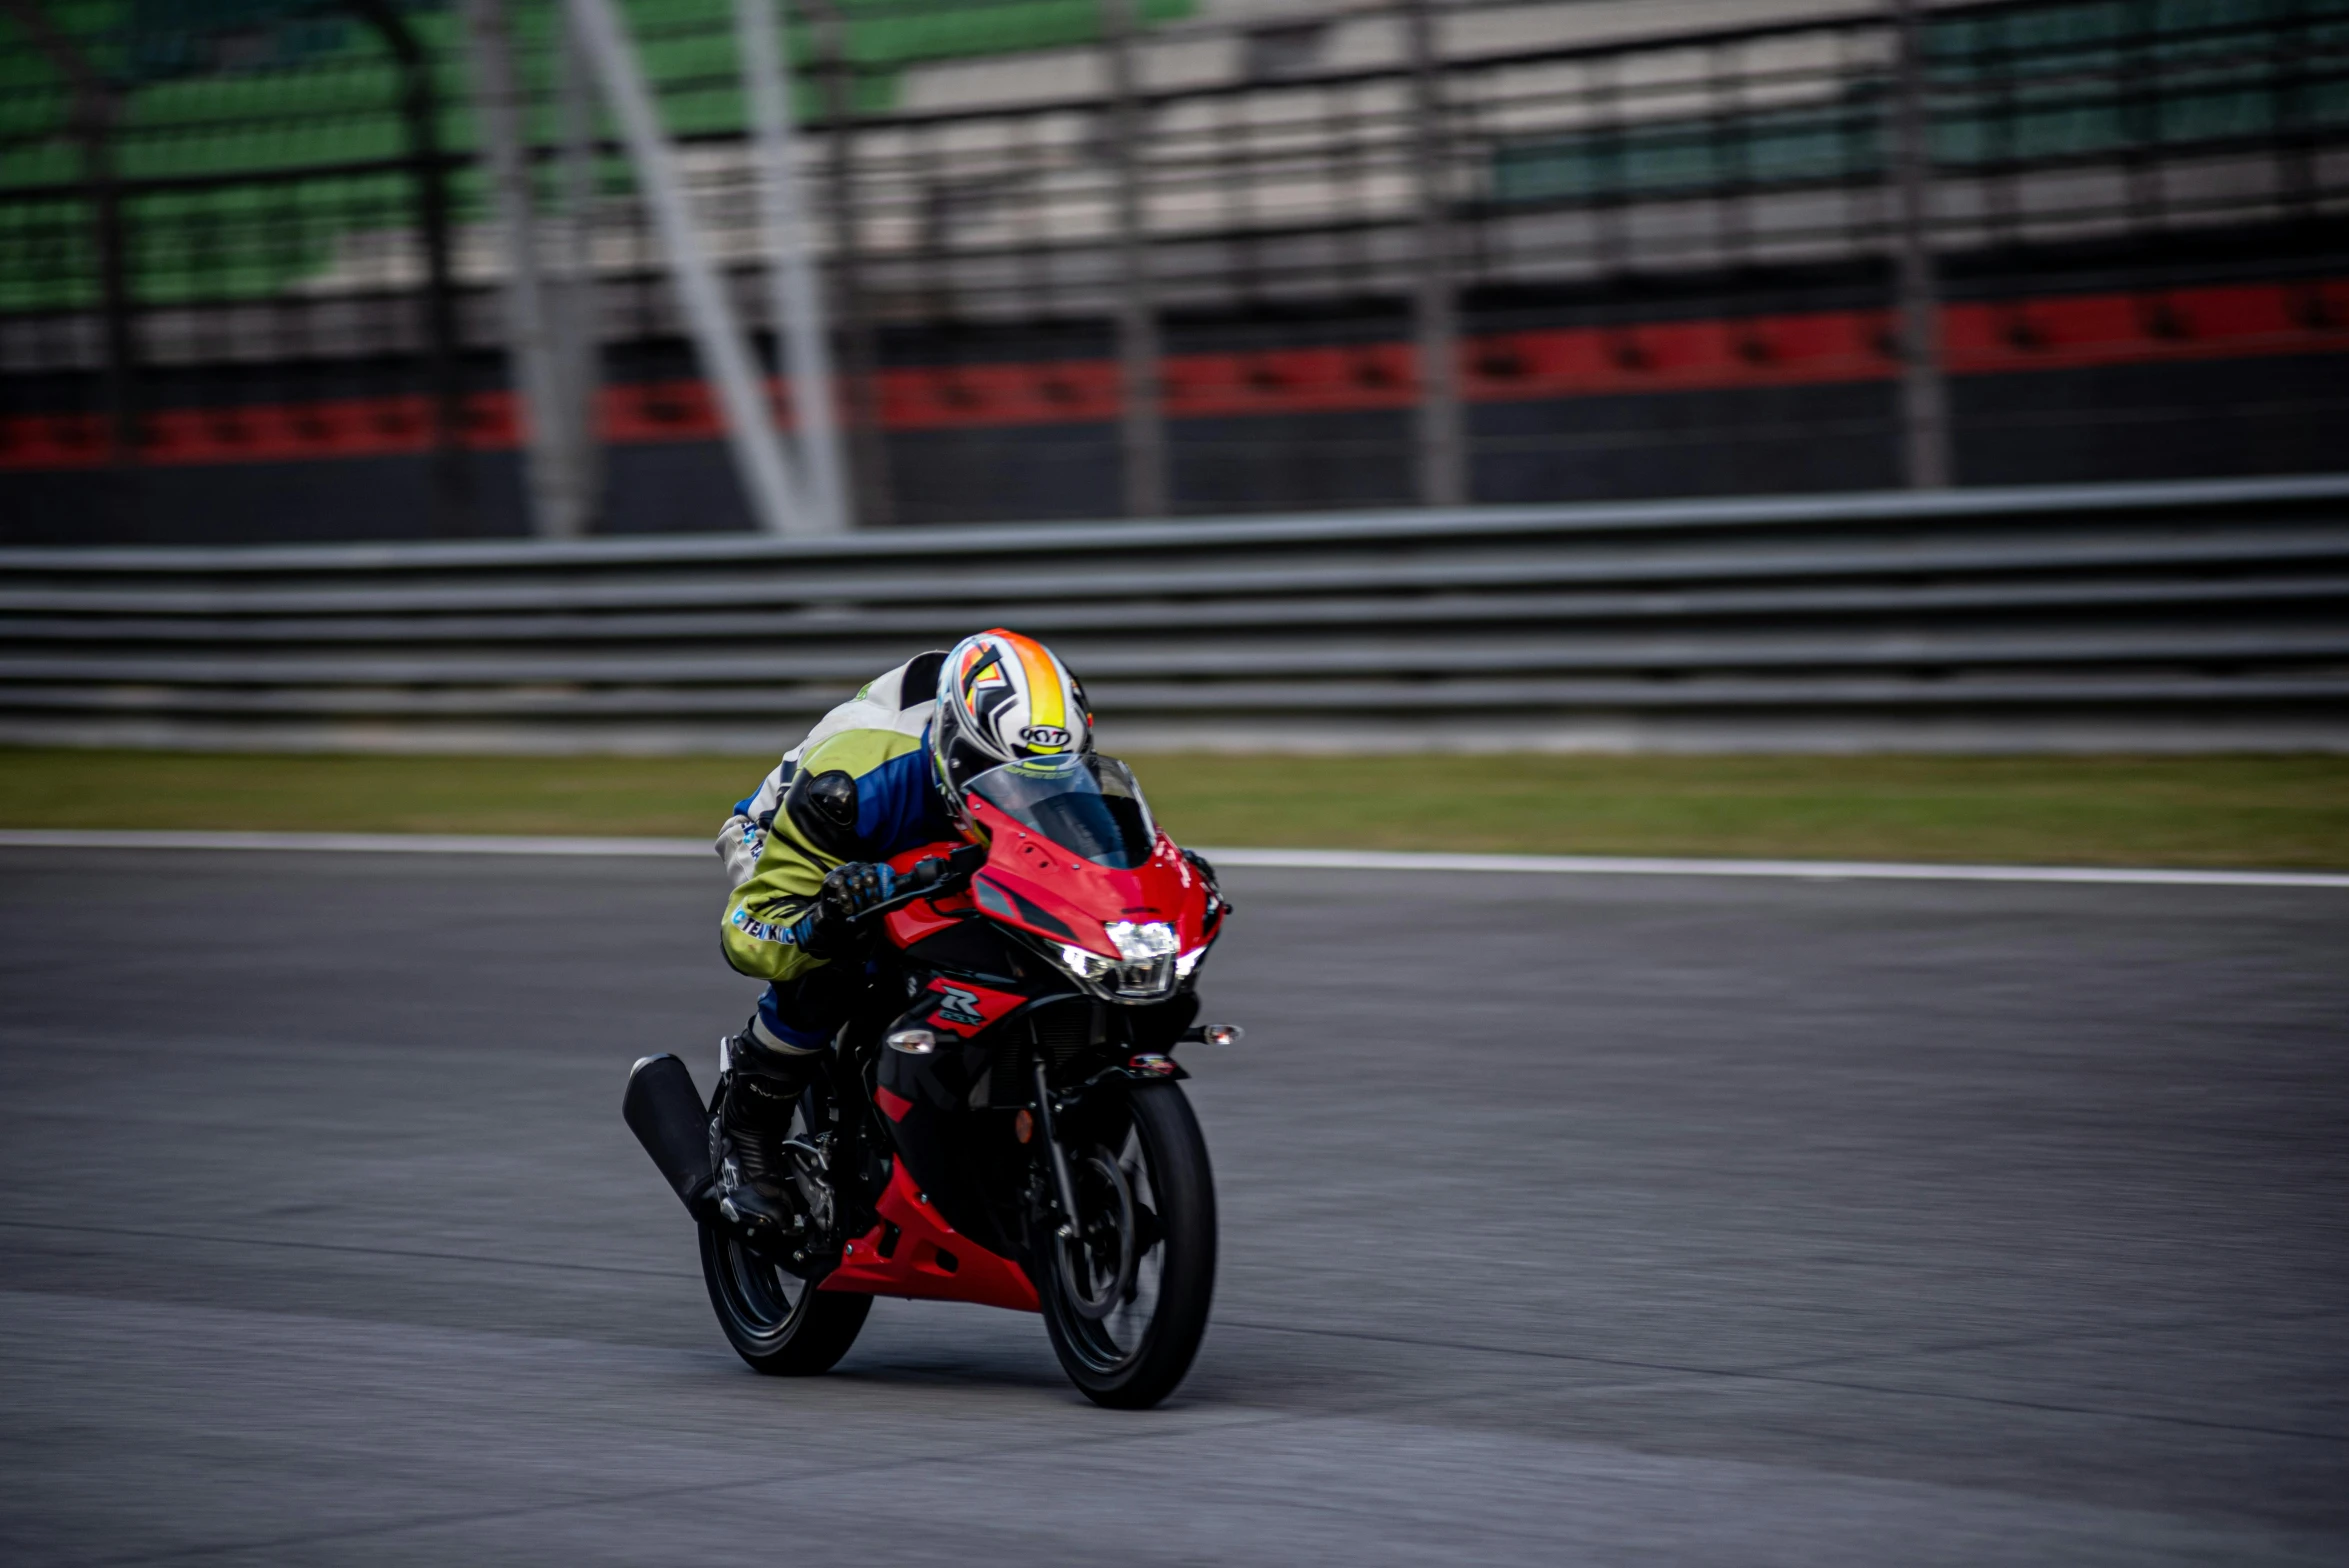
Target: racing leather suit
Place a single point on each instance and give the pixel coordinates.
(860, 788)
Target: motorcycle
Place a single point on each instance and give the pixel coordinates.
(1002, 1120)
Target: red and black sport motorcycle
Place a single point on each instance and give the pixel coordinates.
(1002, 1120)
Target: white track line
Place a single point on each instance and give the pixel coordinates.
(356, 843)
(1282, 859)
(1814, 870)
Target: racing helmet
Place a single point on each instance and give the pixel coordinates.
(1002, 698)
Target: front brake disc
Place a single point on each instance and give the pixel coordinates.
(1094, 1305)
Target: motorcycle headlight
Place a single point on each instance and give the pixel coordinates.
(1084, 965)
(1138, 944)
(1143, 971)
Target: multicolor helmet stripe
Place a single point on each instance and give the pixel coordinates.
(1002, 697)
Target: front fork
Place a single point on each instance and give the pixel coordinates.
(1064, 1189)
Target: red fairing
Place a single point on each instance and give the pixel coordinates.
(930, 1260)
(928, 916)
(1032, 883)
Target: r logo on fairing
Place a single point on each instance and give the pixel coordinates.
(957, 1006)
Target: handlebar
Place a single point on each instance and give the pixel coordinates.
(931, 877)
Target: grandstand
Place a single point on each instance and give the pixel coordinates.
(219, 316)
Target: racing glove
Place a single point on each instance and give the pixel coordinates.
(831, 927)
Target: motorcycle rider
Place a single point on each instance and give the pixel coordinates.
(882, 773)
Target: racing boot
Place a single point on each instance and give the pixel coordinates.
(755, 1189)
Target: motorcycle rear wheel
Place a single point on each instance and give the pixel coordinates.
(1148, 1229)
(781, 1325)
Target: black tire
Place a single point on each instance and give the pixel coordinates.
(780, 1324)
(1165, 1192)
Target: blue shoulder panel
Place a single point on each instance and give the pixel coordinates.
(898, 807)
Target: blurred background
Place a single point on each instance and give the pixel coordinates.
(1770, 376)
(1084, 258)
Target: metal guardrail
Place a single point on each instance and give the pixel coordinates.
(2179, 616)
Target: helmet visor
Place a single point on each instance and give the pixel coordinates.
(1088, 804)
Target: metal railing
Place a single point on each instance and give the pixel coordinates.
(2183, 616)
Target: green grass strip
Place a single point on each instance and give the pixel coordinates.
(2286, 812)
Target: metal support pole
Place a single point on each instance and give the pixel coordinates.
(717, 338)
(578, 338)
(1924, 397)
(868, 455)
(420, 111)
(94, 111)
(2296, 143)
(557, 496)
(1442, 438)
(806, 350)
(114, 283)
(1142, 433)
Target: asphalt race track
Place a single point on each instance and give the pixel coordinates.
(1566, 1219)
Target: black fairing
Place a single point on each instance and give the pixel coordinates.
(957, 1137)
(976, 949)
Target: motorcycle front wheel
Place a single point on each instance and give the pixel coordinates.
(1125, 1298)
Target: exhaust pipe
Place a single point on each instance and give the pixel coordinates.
(665, 1111)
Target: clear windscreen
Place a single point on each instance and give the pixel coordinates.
(1089, 805)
